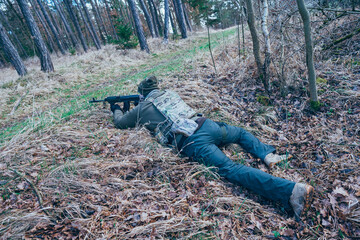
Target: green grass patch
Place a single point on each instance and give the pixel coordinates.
(166, 63)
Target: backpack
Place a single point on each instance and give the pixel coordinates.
(177, 115)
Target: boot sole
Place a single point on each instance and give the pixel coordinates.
(309, 197)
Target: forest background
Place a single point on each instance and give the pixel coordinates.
(288, 71)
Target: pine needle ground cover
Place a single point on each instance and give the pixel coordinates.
(67, 173)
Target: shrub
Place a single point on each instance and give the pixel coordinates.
(126, 38)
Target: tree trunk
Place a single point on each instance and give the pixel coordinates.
(52, 27)
(93, 35)
(254, 37)
(147, 17)
(91, 26)
(131, 19)
(18, 43)
(138, 26)
(11, 52)
(242, 28)
(98, 22)
(181, 19)
(45, 60)
(173, 26)
(47, 34)
(155, 23)
(101, 18)
(68, 4)
(67, 26)
(111, 21)
(166, 21)
(187, 20)
(309, 52)
(267, 59)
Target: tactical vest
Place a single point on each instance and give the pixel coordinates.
(177, 115)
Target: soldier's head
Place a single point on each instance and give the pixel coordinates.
(147, 85)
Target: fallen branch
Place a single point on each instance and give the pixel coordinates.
(357, 31)
(36, 191)
(336, 10)
(18, 103)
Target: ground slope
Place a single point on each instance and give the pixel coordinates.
(66, 172)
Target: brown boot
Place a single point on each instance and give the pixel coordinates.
(272, 159)
(301, 198)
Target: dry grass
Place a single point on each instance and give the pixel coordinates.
(100, 182)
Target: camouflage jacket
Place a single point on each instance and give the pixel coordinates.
(144, 114)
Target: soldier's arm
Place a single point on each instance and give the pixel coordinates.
(127, 119)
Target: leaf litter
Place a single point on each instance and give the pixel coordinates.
(99, 182)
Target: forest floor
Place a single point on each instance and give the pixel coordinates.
(67, 173)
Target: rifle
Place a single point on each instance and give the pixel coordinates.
(125, 99)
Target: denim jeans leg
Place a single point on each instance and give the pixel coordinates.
(246, 140)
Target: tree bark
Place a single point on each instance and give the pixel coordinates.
(265, 31)
(138, 27)
(254, 37)
(166, 21)
(67, 26)
(98, 22)
(173, 26)
(187, 20)
(91, 26)
(181, 19)
(52, 27)
(19, 45)
(11, 52)
(102, 22)
(47, 34)
(45, 60)
(309, 50)
(155, 23)
(111, 21)
(68, 4)
(147, 18)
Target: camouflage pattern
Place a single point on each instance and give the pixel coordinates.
(176, 112)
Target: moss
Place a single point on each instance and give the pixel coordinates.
(264, 100)
(320, 80)
(7, 85)
(316, 105)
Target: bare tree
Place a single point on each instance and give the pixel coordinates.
(254, 37)
(173, 26)
(45, 60)
(155, 22)
(147, 18)
(91, 26)
(11, 52)
(187, 20)
(110, 19)
(157, 18)
(47, 35)
(67, 26)
(138, 26)
(180, 17)
(68, 4)
(265, 31)
(8, 26)
(166, 21)
(99, 22)
(309, 53)
(52, 27)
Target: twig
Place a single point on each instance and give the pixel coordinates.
(18, 103)
(36, 191)
(335, 10)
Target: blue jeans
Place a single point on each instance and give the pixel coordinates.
(203, 147)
